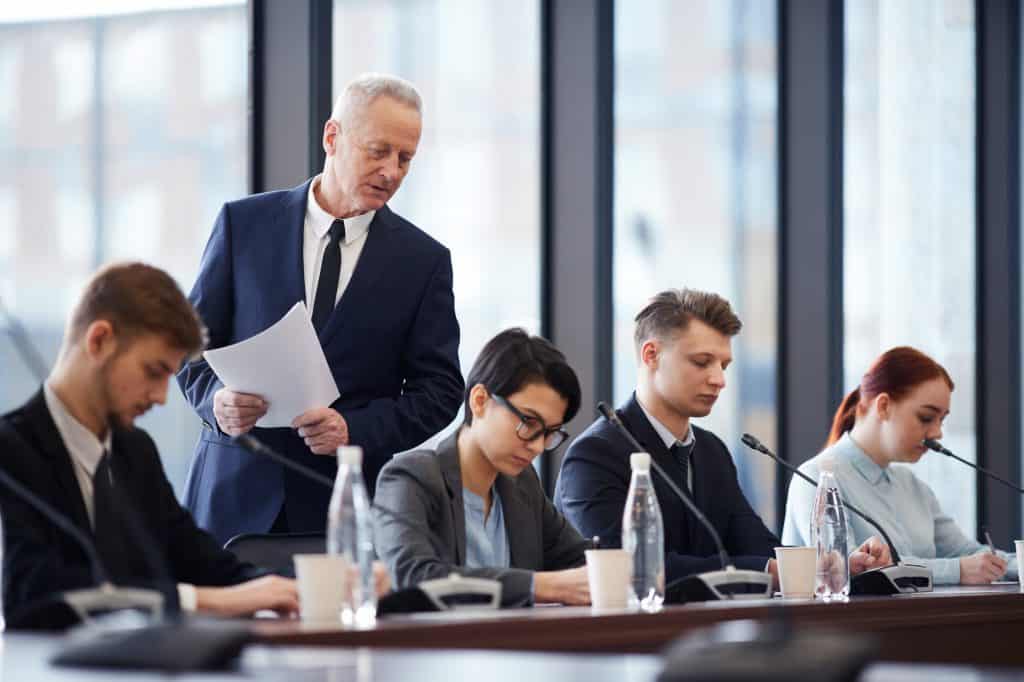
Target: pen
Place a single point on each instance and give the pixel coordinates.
(988, 539)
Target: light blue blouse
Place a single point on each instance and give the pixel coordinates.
(899, 501)
(486, 539)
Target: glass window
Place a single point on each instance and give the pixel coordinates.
(909, 213)
(120, 136)
(475, 182)
(695, 194)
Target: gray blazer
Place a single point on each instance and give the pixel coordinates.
(420, 526)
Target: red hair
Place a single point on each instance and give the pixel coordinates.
(896, 372)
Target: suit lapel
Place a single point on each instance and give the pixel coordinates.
(285, 240)
(522, 543)
(700, 493)
(52, 447)
(636, 421)
(376, 258)
(448, 453)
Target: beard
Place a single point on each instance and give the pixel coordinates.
(114, 420)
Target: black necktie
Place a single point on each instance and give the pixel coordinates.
(681, 453)
(330, 272)
(111, 541)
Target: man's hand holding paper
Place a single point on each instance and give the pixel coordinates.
(323, 430)
(273, 376)
(237, 413)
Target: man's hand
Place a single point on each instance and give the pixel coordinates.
(381, 578)
(236, 413)
(872, 554)
(323, 429)
(981, 569)
(271, 592)
(570, 586)
(773, 569)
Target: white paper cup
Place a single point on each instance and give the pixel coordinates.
(796, 571)
(609, 572)
(1020, 563)
(323, 582)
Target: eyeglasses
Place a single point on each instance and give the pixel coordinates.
(532, 428)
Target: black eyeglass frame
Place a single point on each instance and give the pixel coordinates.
(522, 430)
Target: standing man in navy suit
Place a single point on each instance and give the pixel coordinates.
(683, 341)
(379, 291)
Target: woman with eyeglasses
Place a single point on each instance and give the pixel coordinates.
(475, 505)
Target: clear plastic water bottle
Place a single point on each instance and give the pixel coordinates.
(643, 536)
(350, 533)
(828, 536)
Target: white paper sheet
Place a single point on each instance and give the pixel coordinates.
(284, 363)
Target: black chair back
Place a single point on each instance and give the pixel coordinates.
(274, 551)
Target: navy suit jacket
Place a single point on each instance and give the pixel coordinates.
(391, 343)
(594, 481)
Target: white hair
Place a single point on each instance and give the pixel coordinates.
(364, 89)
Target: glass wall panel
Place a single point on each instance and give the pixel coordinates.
(695, 194)
(909, 213)
(120, 136)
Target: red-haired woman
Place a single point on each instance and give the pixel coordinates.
(902, 400)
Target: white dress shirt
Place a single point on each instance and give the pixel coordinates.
(315, 239)
(86, 451)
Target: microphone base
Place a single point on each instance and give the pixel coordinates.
(107, 598)
(454, 593)
(729, 583)
(897, 579)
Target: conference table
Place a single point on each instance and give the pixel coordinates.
(26, 658)
(962, 625)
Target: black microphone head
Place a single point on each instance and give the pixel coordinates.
(753, 443)
(606, 411)
(935, 445)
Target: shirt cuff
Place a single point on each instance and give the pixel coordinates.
(187, 597)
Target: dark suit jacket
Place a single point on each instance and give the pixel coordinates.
(594, 481)
(392, 345)
(40, 559)
(427, 540)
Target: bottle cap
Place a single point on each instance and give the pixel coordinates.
(352, 455)
(640, 461)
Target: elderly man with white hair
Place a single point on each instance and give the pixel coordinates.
(379, 291)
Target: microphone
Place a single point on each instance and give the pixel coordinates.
(29, 355)
(885, 580)
(431, 595)
(935, 445)
(727, 583)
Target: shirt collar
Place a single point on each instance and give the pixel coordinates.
(848, 449)
(83, 445)
(321, 221)
(663, 432)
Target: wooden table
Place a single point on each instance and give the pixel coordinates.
(951, 625)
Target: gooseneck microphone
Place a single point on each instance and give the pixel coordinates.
(729, 582)
(899, 577)
(29, 355)
(935, 445)
(755, 444)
